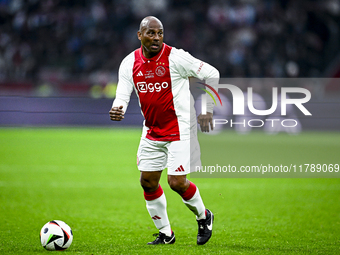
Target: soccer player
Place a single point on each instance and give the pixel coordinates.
(159, 75)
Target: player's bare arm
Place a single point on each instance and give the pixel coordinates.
(205, 121)
(117, 113)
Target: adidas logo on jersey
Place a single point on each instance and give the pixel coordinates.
(180, 169)
(139, 74)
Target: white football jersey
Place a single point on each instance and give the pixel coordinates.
(162, 86)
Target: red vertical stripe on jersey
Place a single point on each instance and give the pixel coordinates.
(153, 195)
(154, 88)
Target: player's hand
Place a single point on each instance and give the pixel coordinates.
(117, 113)
(205, 121)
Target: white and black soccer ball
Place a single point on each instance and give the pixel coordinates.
(56, 235)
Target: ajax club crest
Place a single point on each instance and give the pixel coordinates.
(160, 71)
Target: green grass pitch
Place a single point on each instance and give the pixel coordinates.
(88, 178)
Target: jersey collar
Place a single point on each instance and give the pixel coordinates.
(155, 58)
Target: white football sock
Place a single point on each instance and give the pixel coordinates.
(194, 202)
(158, 213)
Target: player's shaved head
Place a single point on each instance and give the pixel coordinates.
(150, 34)
(150, 21)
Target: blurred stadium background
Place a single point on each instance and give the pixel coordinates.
(59, 59)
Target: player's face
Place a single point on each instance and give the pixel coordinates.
(151, 38)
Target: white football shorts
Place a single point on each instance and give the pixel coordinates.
(177, 156)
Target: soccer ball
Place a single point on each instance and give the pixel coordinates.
(56, 235)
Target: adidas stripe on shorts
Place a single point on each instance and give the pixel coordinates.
(177, 156)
